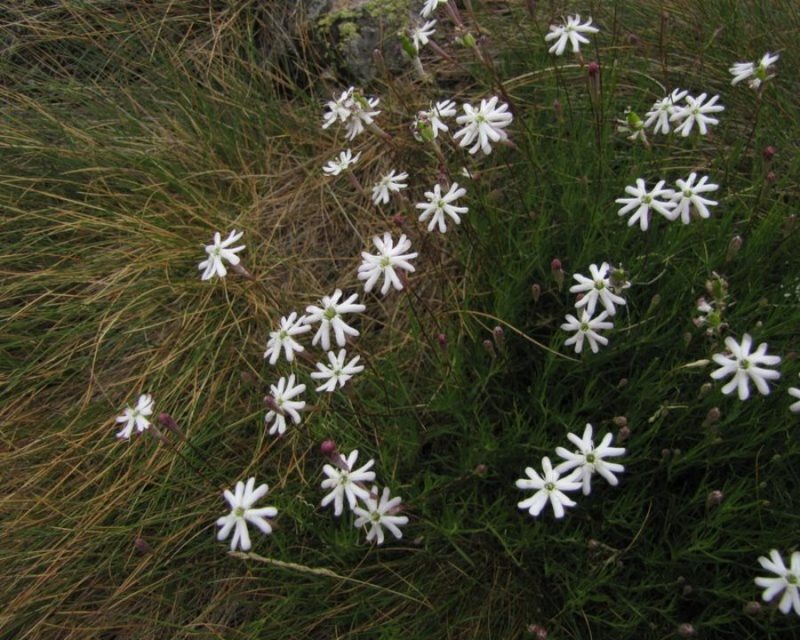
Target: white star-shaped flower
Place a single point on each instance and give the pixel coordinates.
(598, 287)
(571, 32)
(755, 73)
(587, 327)
(283, 338)
(339, 109)
(362, 114)
(787, 581)
(421, 34)
(696, 110)
(440, 205)
(687, 197)
(662, 110)
(342, 163)
(136, 417)
(338, 373)
(346, 482)
(745, 367)
(550, 487)
(219, 251)
(430, 6)
(389, 258)
(380, 514)
(390, 183)
(242, 512)
(329, 316)
(643, 201)
(281, 404)
(795, 393)
(589, 459)
(483, 125)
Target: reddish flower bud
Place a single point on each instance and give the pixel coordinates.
(140, 544)
(768, 153)
(442, 340)
(327, 448)
(593, 69)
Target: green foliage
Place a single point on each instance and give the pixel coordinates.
(130, 133)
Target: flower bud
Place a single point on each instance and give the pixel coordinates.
(768, 153)
(593, 69)
(538, 631)
(733, 247)
(141, 545)
(536, 292)
(752, 608)
(499, 337)
(686, 630)
(327, 448)
(480, 470)
(624, 433)
(619, 421)
(558, 272)
(622, 382)
(489, 348)
(770, 177)
(714, 498)
(705, 389)
(398, 220)
(168, 422)
(558, 110)
(442, 340)
(713, 415)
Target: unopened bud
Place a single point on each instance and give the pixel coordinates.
(665, 453)
(239, 268)
(538, 631)
(558, 110)
(713, 415)
(714, 498)
(141, 545)
(480, 470)
(536, 292)
(398, 220)
(622, 382)
(168, 422)
(442, 340)
(770, 177)
(499, 337)
(558, 272)
(623, 434)
(593, 69)
(592, 544)
(752, 608)
(489, 348)
(468, 40)
(769, 153)
(733, 247)
(327, 448)
(686, 630)
(619, 421)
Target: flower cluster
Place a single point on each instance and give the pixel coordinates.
(353, 110)
(346, 482)
(581, 464)
(756, 73)
(670, 203)
(604, 286)
(669, 112)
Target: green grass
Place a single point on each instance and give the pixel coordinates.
(131, 132)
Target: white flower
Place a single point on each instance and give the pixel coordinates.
(569, 33)
(755, 74)
(329, 315)
(687, 195)
(587, 327)
(420, 35)
(695, 111)
(483, 124)
(338, 373)
(430, 7)
(335, 167)
(787, 581)
(390, 183)
(430, 123)
(795, 393)
(362, 113)
(550, 486)
(662, 111)
(221, 249)
(439, 205)
(744, 367)
(598, 287)
(589, 459)
(346, 482)
(389, 258)
(644, 200)
(136, 417)
(284, 338)
(338, 109)
(379, 515)
(242, 512)
(282, 404)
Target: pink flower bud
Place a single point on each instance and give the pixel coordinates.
(327, 448)
(489, 348)
(768, 153)
(442, 340)
(499, 336)
(140, 544)
(686, 630)
(593, 69)
(536, 292)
